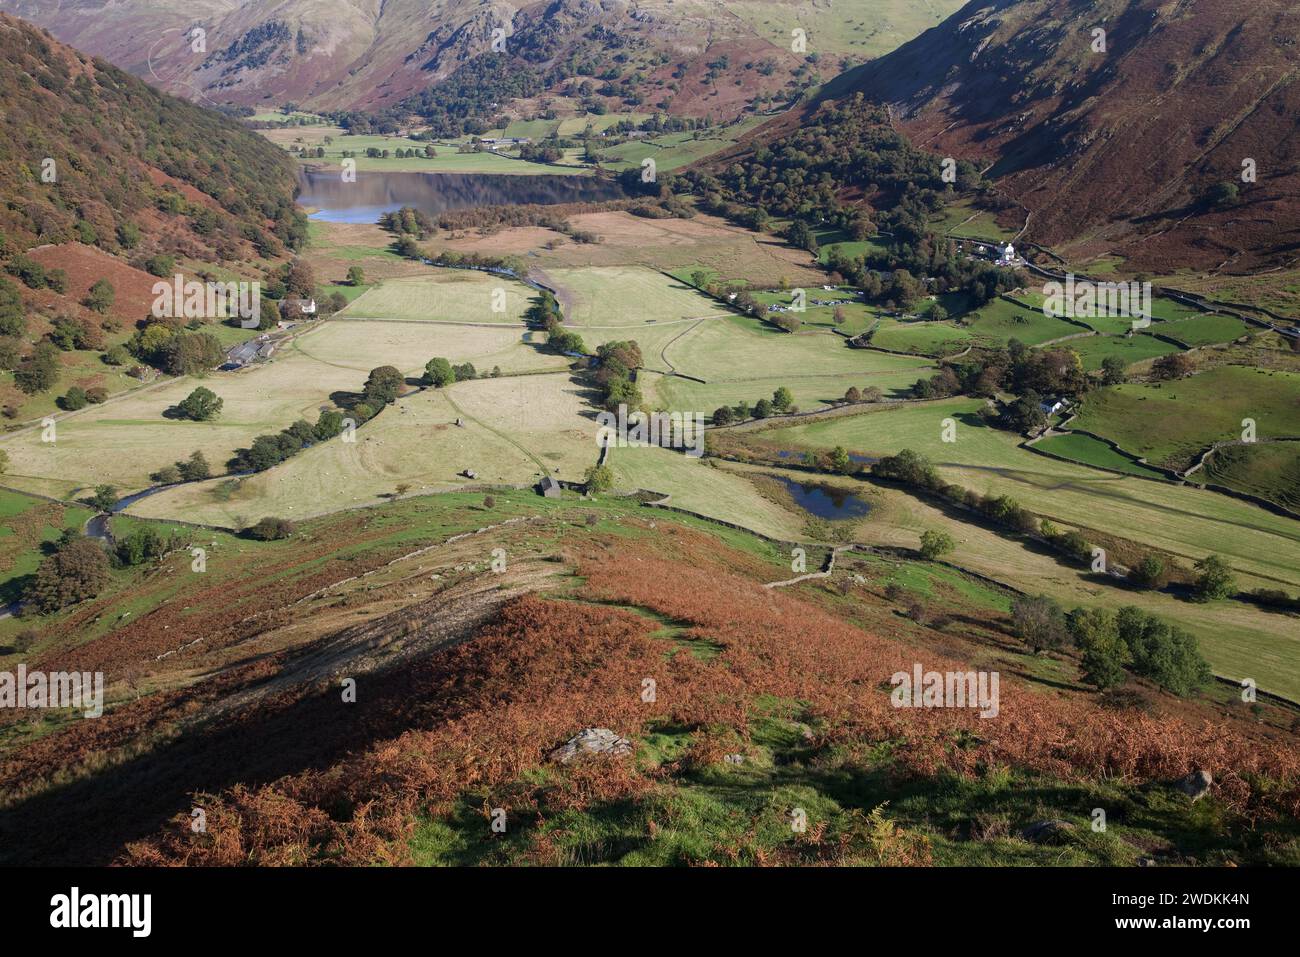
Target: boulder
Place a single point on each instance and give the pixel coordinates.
(592, 741)
(1195, 785)
(1048, 832)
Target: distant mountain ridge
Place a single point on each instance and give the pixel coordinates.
(371, 54)
(1123, 149)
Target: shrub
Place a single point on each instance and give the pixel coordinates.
(270, 529)
(599, 478)
(74, 399)
(935, 544)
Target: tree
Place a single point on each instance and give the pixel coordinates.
(100, 297)
(1164, 653)
(853, 394)
(782, 399)
(1113, 370)
(599, 478)
(1148, 573)
(39, 372)
(935, 544)
(13, 319)
(191, 353)
(195, 468)
(722, 415)
(383, 385)
(763, 408)
(1039, 622)
(201, 405)
(438, 372)
(1223, 194)
(841, 462)
(74, 399)
(1215, 581)
(356, 276)
(300, 280)
(1103, 660)
(105, 497)
(1173, 366)
(77, 571)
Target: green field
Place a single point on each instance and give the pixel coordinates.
(699, 487)
(1001, 321)
(514, 430)
(1169, 423)
(1203, 329)
(671, 151)
(447, 159)
(451, 295)
(627, 297)
(1182, 520)
(1087, 450)
(125, 439)
(1270, 470)
(923, 338)
(1094, 350)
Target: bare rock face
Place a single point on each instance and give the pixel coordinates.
(592, 741)
(1195, 785)
(1048, 832)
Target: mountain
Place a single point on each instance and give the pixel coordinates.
(1127, 150)
(89, 153)
(703, 57)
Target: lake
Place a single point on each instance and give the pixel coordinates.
(374, 194)
(825, 501)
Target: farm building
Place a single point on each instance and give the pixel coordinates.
(549, 487)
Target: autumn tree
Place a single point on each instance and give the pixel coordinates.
(77, 571)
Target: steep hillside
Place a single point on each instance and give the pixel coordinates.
(1130, 149)
(106, 184)
(90, 153)
(703, 57)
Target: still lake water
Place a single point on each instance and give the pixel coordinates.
(374, 194)
(825, 501)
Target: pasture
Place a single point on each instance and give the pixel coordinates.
(1270, 470)
(1187, 522)
(626, 297)
(513, 431)
(126, 438)
(1168, 423)
(445, 295)
(698, 486)
(1086, 450)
